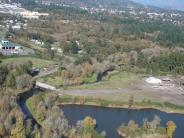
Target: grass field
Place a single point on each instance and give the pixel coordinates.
(37, 63)
(115, 81)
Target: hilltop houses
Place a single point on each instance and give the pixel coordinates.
(16, 9)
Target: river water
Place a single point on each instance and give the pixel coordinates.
(110, 119)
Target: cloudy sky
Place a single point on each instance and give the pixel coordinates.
(174, 4)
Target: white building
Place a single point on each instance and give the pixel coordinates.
(153, 80)
(36, 42)
(32, 15)
(9, 46)
(16, 27)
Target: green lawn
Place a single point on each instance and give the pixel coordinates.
(32, 109)
(115, 81)
(37, 63)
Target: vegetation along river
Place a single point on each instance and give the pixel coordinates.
(108, 119)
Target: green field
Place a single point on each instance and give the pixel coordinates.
(115, 81)
(37, 63)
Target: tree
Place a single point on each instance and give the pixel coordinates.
(3, 73)
(37, 133)
(132, 125)
(56, 125)
(23, 81)
(130, 102)
(10, 81)
(50, 100)
(132, 61)
(48, 53)
(171, 127)
(145, 125)
(2, 130)
(60, 69)
(28, 128)
(89, 122)
(18, 131)
(154, 124)
(87, 70)
(73, 48)
(82, 100)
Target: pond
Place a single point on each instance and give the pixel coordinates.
(110, 119)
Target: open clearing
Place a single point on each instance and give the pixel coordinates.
(37, 63)
(121, 87)
(114, 81)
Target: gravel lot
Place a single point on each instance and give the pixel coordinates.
(139, 89)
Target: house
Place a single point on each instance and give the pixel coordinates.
(166, 79)
(32, 15)
(36, 42)
(8, 47)
(16, 27)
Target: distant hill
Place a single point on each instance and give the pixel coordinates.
(116, 4)
(168, 4)
(92, 3)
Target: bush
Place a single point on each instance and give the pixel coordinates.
(91, 79)
(23, 81)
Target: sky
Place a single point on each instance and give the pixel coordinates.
(173, 4)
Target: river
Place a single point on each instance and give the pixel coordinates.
(22, 98)
(110, 119)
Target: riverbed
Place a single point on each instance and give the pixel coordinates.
(109, 119)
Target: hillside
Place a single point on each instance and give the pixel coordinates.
(168, 4)
(92, 3)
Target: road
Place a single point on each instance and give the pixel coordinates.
(45, 73)
(140, 90)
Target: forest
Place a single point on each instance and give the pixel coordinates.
(94, 44)
(15, 79)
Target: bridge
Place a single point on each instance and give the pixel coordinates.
(45, 86)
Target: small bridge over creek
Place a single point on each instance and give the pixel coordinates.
(45, 86)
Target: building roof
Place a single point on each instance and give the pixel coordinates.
(5, 43)
(166, 79)
(153, 80)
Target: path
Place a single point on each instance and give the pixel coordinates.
(45, 73)
(140, 90)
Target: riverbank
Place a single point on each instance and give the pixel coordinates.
(89, 101)
(153, 135)
(146, 104)
(65, 101)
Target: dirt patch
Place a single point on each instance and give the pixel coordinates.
(139, 89)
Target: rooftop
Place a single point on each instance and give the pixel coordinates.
(5, 43)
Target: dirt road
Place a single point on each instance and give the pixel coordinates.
(140, 90)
